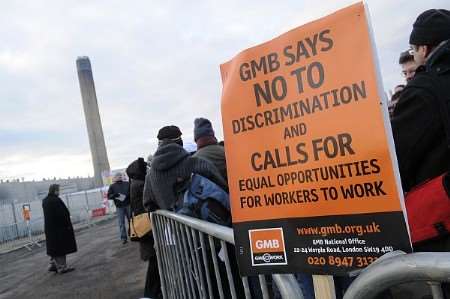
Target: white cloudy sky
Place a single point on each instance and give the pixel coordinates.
(155, 63)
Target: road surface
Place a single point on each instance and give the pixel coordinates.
(104, 269)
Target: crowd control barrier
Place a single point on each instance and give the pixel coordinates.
(196, 260)
(399, 268)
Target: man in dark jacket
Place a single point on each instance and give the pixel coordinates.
(119, 192)
(207, 146)
(136, 171)
(421, 117)
(418, 125)
(166, 180)
(59, 235)
(172, 167)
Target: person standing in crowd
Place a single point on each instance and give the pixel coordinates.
(136, 171)
(166, 181)
(421, 117)
(119, 193)
(207, 146)
(408, 65)
(171, 170)
(418, 129)
(59, 234)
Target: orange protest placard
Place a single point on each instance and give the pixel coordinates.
(307, 143)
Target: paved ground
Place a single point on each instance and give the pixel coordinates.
(104, 269)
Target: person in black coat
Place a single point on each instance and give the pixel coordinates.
(59, 234)
(136, 171)
(421, 118)
(171, 169)
(421, 122)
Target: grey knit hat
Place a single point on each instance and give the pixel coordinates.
(202, 128)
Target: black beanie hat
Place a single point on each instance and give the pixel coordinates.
(137, 169)
(202, 128)
(169, 132)
(431, 28)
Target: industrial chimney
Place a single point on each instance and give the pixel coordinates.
(93, 122)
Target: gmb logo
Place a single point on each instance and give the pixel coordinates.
(267, 246)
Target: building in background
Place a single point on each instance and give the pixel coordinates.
(27, 191)
(93, 121)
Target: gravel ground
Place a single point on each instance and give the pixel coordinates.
(104, 269)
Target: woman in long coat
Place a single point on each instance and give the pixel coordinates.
(59, 235)
(136, 171)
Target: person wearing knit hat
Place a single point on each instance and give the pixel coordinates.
(165, 184)
(172, 167)
(169, 134)
(202, 128)
(137, 171)
(420, 123)
(207, 146)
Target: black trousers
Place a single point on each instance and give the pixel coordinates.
(152, 281)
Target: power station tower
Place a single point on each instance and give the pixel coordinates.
(93, 122)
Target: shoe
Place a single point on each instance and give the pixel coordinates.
(52, 268)
(124, 241)
(66, 270)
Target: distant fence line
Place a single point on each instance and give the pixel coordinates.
(82, 205)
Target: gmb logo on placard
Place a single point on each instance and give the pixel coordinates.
(267, 246)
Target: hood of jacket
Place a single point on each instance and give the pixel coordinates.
(440, 59)
(137, 169)
(168, 156)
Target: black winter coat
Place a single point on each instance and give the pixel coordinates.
(172, 166)
(119, 188)
(59, 235)
(136, 172)
(418, 125)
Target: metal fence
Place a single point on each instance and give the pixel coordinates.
(196, 260)
(16, 232)
(400, 268)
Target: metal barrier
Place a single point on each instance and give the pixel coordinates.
(194, 262)
(399, 268)
(21, 234)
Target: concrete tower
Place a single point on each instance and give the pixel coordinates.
(93, 122)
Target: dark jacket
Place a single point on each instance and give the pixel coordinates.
(215, 154)
(418, 125)
(59, 235)
(118, 188)
(172, 166)
(136, 171)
